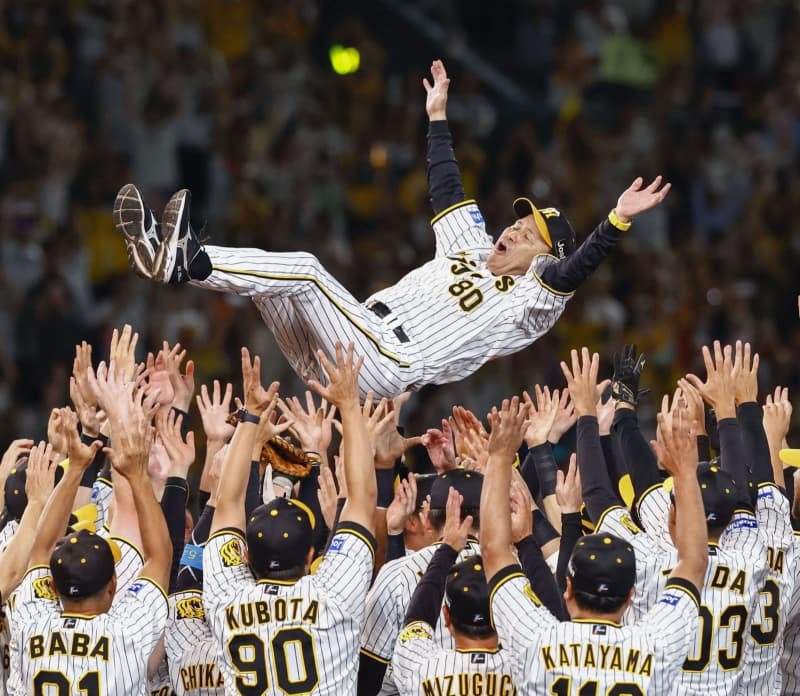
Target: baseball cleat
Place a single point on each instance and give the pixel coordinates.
(139, 228)
(180, 257)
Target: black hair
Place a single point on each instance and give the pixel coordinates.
(473, 632)
(597, 603)
(294, 573)
(437, 517)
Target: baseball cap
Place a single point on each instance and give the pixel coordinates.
(16, 500)
(790, 457)
(82, 564)
(467, 482)
(553, 226)
(424, 485)
(603, 565)
(720, 493)
(279, 534)
(467, 593)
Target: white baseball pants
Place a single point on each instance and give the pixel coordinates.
(306, 309)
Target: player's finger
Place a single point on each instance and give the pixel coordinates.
(654, 185)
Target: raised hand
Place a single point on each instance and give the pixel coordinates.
(257, 400)
(471, 437)
(41, 474)
(182, 383)
(112, 392)
(508, 426)
(719, 389)
(55, 432)
(565, 417)
(746, 370)
(542, 414)
(80, 455)
(133, 437)
(123, 351)
(627, 372)
(439, 444)
(389, 445)
(436, 99)
(342, 388)
(694, 401)
(402, 506)
(214, 412)
(327, 495)
(269, 426)
(15, 450)
(312, 426)
(777, 417)
(82, 363)
(180, 452)
(158, 380)
(568, 488)
(521, 509)
(675, 445)
(582, 381)
(635, 199)
(455, 531)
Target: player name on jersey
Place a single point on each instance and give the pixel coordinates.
(469, 684)
(587, 655)
(277, 609)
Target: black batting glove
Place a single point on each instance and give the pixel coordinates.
(627, 371)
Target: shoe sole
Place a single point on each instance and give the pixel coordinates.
(171, 221)
(129, 220)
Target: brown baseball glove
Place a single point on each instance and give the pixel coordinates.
(287, 458)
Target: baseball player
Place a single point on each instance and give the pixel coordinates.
(390, 594)
(68, 636)
(279, 630)
(593, 653)
(477, 664)
(474, 301)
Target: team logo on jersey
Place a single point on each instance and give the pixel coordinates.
(599, 630)
(336, 544)
(43, 589)
(629, 524)
(744, 523)
(70, 622)
(476, 215)
(415, 631)
(190, 608)
(530, 594)
(478, 658)
(669, 598)
(766, 494)
(231, 553)
(135, 587)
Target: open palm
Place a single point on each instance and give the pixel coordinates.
(635, 199)
(436, 101)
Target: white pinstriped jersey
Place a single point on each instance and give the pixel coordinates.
(765, 639)
(56, 652)
(6, 535)
(737, 569)
(284, 638)
(191, 649)
(160, 684)
(421, 667)
(102, 491)
(575, 658)
(457, 312)
(790, 658)
(130, 563)
(387, 602)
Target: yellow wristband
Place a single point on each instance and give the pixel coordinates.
(614, 220)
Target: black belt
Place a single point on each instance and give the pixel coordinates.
(383, 311)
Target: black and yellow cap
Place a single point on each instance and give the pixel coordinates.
(553, 226)
(467, 593)
(467, 482)
(424, 485)
(83, 563)
(279, 535)
(720, 493)
(602, 565)
(16, 500)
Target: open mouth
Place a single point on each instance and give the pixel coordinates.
(500, 247)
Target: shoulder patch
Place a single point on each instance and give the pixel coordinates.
(336, 544)
(670, 598)
(530, 594)
(43, 589)
(135, 588)
(746, 522)
(190, 608)
(415, 631)
(766, 494)
(231, 553)
(476, 215)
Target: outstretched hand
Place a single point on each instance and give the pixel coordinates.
(436, 101)
(635, 199)
(342, 388)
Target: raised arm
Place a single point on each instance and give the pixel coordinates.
(342, 392)
(569, 273)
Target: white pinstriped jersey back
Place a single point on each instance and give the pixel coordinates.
(280, 638)
(6, 534)
(57, 652)
(387, 601)
(790, 658)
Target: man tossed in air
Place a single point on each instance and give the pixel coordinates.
(472, 302)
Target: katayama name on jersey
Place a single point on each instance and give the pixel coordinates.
(274, 609)
(587, 655)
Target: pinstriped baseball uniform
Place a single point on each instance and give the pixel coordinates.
(54, 652)
(453, 312)
(191, 649)
(765, 640)
(422, 667)
(8, 532)
(160, 684)
(102, 491)
(288, 638)
(576, 658)
(790, 659)
(6, 535)
(130, 563)
(387, 602)
(737, 568)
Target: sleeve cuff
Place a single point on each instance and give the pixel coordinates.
(439, 127)
(613, 218)
(357, 530)
(502, 576)
(686, 586)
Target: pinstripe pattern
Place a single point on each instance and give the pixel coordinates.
(130, 629)
(328, 606)
(647, 654)
(6, 535)
(101, 497)
(130, 563)
(191, 650)
(386, 606)
(456, 314)
(160, 684)
(421, 666)
(790, 659)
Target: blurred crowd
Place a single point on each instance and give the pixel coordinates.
(236, 100)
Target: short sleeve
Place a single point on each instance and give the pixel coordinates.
(673, 622)
(414, 646)
(140, 613)
(653, 510)
(774, 517)
(7, 533)
(35, 597)
(384, 615)
(225, 569)
(130, 563)
(461, 228)
(345, 573)
(517, 614)
(186, 626)
(543, 304)
(102, 491)
(742, 534)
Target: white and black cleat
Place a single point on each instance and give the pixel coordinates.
(139, 228)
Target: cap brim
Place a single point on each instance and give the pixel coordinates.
(790, 457)
(524, 207)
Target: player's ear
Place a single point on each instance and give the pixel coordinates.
(310, 557)
(446, 615)
(569, 594)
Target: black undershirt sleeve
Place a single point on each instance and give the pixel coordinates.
(755, 442)
(598, 495)
(539, 576)
(570, 533)
(444, 176)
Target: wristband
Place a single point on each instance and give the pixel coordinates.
(192, 556)
(244, 416)
(613, 218)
